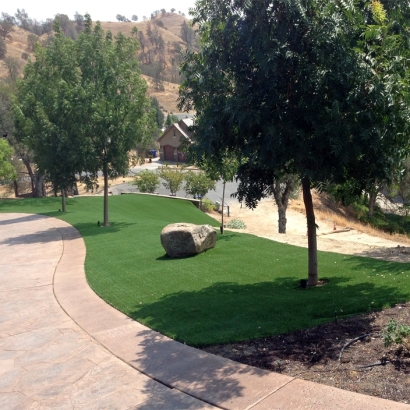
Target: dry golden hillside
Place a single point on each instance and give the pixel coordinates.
(170, 33)
(167, 98)
(15, 48)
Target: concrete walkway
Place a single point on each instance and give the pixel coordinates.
(62, 347)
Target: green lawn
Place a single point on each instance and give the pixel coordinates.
(247, 287)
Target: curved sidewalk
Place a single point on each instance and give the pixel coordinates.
(61, 346)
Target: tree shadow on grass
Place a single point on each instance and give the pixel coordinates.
(52, 234)
(226, 312)
(93, 229)
(376, 266)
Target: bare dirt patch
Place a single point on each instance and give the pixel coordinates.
(366, 366)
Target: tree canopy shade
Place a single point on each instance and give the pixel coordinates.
(287, 87)
(82, 105)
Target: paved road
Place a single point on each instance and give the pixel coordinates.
(213, 195)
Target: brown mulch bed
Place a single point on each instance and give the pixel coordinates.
(312, 355)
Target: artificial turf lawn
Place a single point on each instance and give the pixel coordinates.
(244, 288)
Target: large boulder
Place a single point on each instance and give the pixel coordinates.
(184, 239)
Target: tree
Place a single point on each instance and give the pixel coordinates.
(158, 77)
(32, 39)
(79, 21)
(187, 34)
(173, 179)
(115, 110)
(198, 184)
(122, 18)
(47, 26)
(46, 116)
(173, 10)
(3, 49)
(64, 23)
(22, 19)
(12, 66)
(224, 169)
(147, 181)
(134, 17)
(159, 115)
(6, 26)
(141, 39)
(7, 170)
(21, 151)
(171, 119)
(292, 93)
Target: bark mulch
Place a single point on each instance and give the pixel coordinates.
(366, 366)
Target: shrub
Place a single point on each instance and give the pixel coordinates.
(236, 224)
(207, 205)
(173, 179)
(396, 333)
(146, 181)
(198, 183)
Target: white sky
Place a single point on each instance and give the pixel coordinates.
(99, 10)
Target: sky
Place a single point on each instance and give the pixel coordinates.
(99, 10)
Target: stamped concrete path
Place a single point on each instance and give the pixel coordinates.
(62, 347)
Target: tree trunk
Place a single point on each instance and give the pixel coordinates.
(372, 202)
(37, 183)
(16, 188)
(30, 173)
(223, 204)
(282, 201)
(63, 200)
(312, 241)
(105, 172)
(38, 186)
(282, 219)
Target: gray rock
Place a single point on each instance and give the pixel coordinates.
(184, 239)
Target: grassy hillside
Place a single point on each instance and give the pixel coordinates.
(151, 56)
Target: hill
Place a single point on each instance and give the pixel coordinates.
(16, 47)
(160, 54)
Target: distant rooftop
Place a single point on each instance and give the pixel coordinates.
(183, 115)
(189, 122)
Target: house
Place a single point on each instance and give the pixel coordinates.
(172, 138)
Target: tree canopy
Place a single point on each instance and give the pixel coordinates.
(46, 115)
(289, 87)
(82, 105)
(7, 170)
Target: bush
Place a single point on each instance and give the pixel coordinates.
(198, 183)
(173, 179)
(396, 333)
(207, 205)
(236, 224)
(146, 181)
